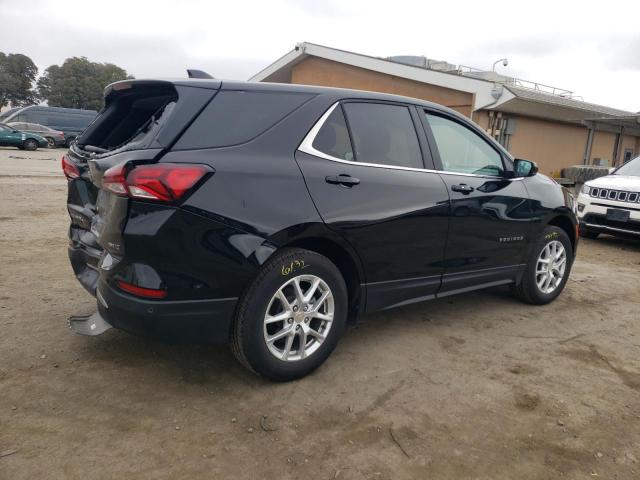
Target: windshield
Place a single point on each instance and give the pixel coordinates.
(632, 167)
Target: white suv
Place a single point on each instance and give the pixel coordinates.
(611, 204)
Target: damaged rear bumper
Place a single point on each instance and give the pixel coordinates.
(90, 325)
(193, 321)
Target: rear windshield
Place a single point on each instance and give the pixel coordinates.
(130, 121)
(235, 117)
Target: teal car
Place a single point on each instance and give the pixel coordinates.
(10, 137)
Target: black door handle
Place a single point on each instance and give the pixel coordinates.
(342, 179)
(462, 188)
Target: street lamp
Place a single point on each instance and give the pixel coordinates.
(504, 61)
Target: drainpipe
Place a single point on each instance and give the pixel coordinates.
(618, 147)
(589, 144)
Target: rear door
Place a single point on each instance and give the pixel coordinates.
(489, 211)
(364, 164)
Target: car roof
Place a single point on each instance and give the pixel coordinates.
(339, 93)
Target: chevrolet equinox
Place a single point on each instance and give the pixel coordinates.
(267, 215)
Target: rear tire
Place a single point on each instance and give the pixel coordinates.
(69, 141)
(291, 317)
(51, 142)
(30, 144)
(548, 268)
(591, 234)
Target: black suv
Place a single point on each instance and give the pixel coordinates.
(268, 215)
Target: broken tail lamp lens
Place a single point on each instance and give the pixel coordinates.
(165, 182)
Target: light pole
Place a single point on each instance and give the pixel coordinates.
(504, 61)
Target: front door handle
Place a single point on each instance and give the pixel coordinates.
(462, 188)
(342, 179)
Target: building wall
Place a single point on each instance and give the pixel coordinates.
(556, 145)
(319, 71)
(631, 143)
(552, 145)
(603, 146)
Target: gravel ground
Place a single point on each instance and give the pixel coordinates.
(478, 386)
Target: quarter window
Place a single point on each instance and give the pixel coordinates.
(383, 134)
(333, 137)
(235, 117)
(462, 150)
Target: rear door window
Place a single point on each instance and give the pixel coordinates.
(383, 134)
(235, 117)
(333, 138)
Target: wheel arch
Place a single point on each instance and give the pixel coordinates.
(570, 228)
(346, 263)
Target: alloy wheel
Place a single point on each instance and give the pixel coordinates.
(298, 318)
(551, 266)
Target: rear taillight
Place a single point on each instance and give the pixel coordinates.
(69, 168)
(166, 182)
(114, 180)
(141, 291)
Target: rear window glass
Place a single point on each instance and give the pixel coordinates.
(131, 121)
(384, 134)
(333, 137)
(235, 117)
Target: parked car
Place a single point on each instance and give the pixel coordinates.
(266, 215)
(55, 138)
(611, 204)
(10, 137)
(71, 121)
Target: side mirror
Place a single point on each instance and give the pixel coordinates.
(524, 168)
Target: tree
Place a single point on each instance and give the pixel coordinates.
(17, 74)
(78, 83)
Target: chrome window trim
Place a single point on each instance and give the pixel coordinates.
(306, 146)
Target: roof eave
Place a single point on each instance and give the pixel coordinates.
(481, 89)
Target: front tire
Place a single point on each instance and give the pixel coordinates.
(547, 269)
(30, 144)
(292, 316)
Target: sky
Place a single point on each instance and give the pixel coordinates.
(590, 48)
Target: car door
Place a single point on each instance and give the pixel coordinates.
(10, 137)
(4, 135)
(363, 163)
(490, 212)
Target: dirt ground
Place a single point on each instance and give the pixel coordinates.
(476, 387)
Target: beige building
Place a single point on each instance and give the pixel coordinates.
(548, 125)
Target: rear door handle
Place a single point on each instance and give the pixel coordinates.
(462, 188)
(342, 179)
